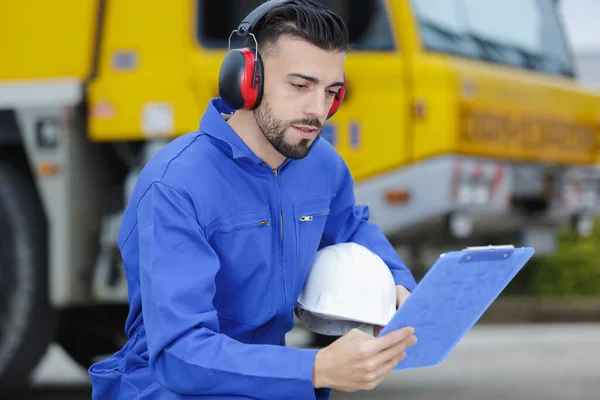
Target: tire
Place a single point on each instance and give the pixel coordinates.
(25, 314)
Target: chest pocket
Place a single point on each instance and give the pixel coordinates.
(311, 216)
(243, 241)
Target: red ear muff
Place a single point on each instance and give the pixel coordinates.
(241, 79)
(241, 76)
(337, 101)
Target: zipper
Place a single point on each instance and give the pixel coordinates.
(308, 218)
(276, 172)
(262, 223)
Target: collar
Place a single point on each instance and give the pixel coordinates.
(213, 125)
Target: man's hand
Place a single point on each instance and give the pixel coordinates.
(402, 294)
(359, 361)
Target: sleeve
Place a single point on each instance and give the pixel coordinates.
(349, 222)
(187, 353)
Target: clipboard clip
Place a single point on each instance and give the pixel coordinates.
(490, 247)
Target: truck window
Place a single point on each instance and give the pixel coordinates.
(367, 22)
(521, 33)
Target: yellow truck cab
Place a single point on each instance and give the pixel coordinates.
(464, 124)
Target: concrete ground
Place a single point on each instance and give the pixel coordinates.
(557, 362)
(508, 362)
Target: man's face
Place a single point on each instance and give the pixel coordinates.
(301, 82)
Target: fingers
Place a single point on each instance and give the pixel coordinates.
(387, 361)
(356, 334)
(391, 339)
(373, 375)
(389, 365)
(393, 353)
(373, 359)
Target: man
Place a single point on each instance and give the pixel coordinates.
(221, 231)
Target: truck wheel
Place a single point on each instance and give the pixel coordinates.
(25, 315)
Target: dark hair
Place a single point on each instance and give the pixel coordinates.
(302, 19)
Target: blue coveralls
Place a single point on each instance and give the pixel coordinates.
(216, 255)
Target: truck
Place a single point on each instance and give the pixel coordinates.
(463, 124)
(579, 19)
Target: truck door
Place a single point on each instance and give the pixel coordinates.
(369, 131)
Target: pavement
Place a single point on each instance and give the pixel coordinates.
(508, 362)
(549, 362)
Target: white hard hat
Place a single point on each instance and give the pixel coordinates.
(348, 286)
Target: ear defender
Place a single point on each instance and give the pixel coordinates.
(241, 79)
(337, 101)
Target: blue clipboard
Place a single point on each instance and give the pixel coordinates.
(451, 297)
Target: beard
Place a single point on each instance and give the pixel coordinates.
(274, 130)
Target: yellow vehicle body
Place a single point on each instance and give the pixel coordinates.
(403, 106)
(467, 107)
(44, 40)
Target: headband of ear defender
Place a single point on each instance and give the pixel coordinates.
(241, 77)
